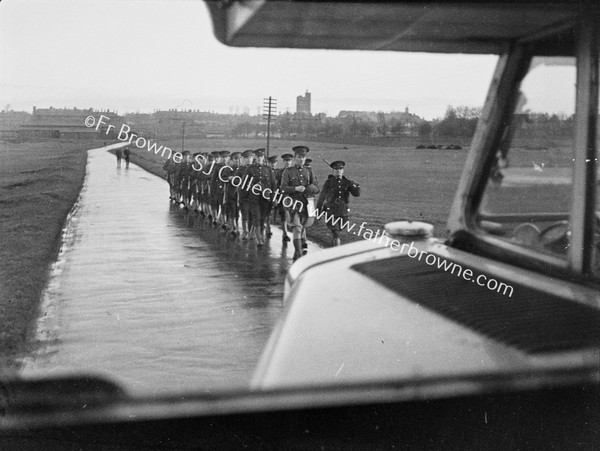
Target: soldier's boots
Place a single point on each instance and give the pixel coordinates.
(285, 237)
(304, 246)
(297, 249)
(258, 232)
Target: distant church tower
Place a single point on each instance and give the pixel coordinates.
(303, 104)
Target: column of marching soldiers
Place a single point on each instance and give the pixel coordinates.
(202, 183)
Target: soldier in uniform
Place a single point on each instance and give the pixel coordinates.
(243, 193)
(231, 195)
(169, 167)
(225, 174)
(307, 165)
(259, 200)
(205, 179)
(186, 180)
(119, 154)
(196, 182)
(272, 163)
(299, 184)
(217, 188)
(288, 161)
(126, 153)
(334, 199)
(221, 173)
(177, 180)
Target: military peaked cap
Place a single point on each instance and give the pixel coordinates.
(300, 150)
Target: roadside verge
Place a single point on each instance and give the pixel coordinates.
(39, 183)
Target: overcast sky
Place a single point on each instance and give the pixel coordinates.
(146, 55)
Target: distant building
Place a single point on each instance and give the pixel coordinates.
(303, 104)
(198, 123)
(68, 123)
(11, 121)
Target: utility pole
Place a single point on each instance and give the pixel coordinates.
(182, 136)
(269, 108)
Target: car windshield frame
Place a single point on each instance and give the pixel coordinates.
(464, 222)
(109, 405)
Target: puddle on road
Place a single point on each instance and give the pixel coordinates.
(152, 297)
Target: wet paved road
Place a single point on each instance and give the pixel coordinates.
(153, 297)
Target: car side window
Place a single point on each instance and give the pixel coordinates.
(528, 197)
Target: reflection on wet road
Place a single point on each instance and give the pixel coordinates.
(151, 296)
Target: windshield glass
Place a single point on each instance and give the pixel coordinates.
(529, 193)
(158, 289)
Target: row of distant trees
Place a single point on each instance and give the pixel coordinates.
(459, 122)
(292, 125)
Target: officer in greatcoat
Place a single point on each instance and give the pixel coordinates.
(334, 199)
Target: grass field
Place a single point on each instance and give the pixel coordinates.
(39, 183)
(396, 183)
